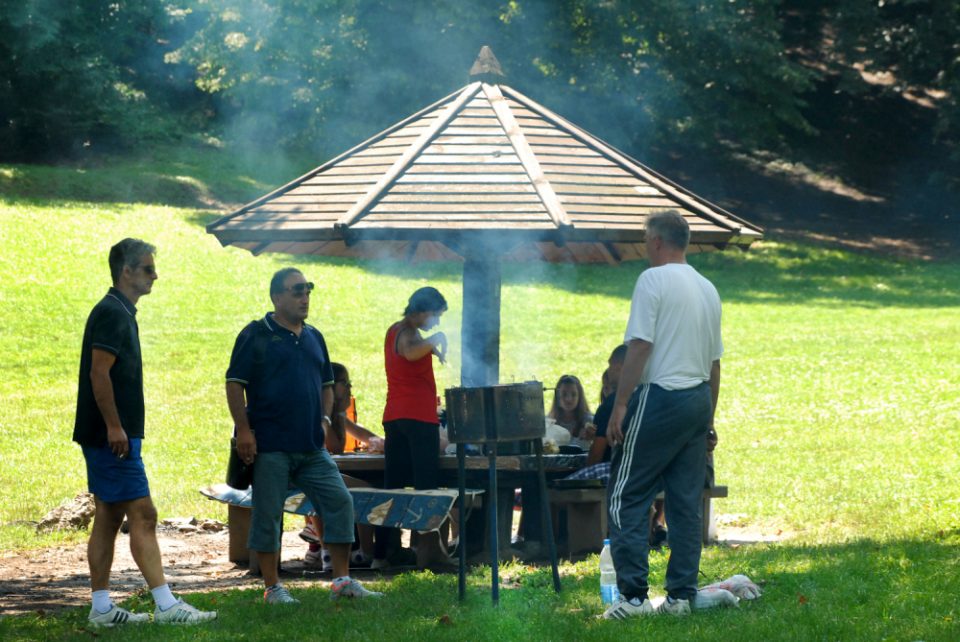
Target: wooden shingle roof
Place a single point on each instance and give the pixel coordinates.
(485, 165)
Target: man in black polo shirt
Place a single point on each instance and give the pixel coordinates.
(280, 394)
(109, 428)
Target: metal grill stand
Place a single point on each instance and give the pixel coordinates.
(491, 415)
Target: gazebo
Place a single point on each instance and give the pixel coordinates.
(483, 175)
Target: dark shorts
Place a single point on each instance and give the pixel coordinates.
(112, 479)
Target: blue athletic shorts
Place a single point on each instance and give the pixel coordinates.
(112, 479)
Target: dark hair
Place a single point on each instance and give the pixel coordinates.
(127, 253)
(276, 283)
(671, 227)
(619, 353)
(426, 299)
(582, 410)
(339, 370)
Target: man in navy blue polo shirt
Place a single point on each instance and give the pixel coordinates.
(280, 393)
(109, 428)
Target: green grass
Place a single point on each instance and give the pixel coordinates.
(839, 416)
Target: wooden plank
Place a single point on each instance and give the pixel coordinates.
(623, 208)
(566, 141)
(587, 179)
(466, 121)
(527, 157)
(549, 159)
(424, 188)
(541, 150)
(630, 199)
(463, 178)
(498, 139)
(505, 149)
(607, 190)
(484, 111)
(454, 170)
(394, 197)
(450, 130)
(455, 159)
(368, 160)
(587, 169)
(367, 222)
(458, 207)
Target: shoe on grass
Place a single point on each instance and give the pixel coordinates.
(676, 607)
(117, 615)
(182, 613)
(349, 587)
(278, 594)
(624, 609)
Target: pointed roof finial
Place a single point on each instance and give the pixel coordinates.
(486, 68)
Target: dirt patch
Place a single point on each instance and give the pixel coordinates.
(55, 578)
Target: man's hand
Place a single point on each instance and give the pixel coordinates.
(246, 445)
(614, 431)
(375, 445)
(117, 439)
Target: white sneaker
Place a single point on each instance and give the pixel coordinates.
(279, 595)
(623, 609)
(676, 607)
(349, 587)
(309, 534)
(182, 613)
(115, 616)
(379, 564)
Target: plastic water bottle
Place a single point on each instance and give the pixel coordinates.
(609, 593)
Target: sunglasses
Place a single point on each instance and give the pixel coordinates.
(301, 289)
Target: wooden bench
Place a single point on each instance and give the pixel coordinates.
(587, 516)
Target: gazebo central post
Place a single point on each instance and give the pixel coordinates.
(480, 329)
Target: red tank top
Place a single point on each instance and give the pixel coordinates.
(411, 388)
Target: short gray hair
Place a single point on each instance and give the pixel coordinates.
(671, 227)
(127, 253)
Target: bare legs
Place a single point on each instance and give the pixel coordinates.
(141, 515)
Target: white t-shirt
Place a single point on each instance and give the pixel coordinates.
(678, 311)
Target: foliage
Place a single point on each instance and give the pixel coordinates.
(76, 74)
(320, 76)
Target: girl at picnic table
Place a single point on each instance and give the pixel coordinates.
(571, 411)
(334, 441)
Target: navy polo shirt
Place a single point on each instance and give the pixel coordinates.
(112, 327)
(283, 376)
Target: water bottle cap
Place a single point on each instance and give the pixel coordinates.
(606, 542)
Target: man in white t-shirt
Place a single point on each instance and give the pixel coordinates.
(665, 403)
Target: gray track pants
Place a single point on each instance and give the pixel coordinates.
(664, 448)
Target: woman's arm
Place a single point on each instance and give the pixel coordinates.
(412, 346)
(355, 430)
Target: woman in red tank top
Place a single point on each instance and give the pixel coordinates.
(410, 423)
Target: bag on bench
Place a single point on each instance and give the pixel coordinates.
(239, 473)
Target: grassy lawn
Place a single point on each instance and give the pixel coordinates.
(839, 416)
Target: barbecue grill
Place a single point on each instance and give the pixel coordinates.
(504, 416)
